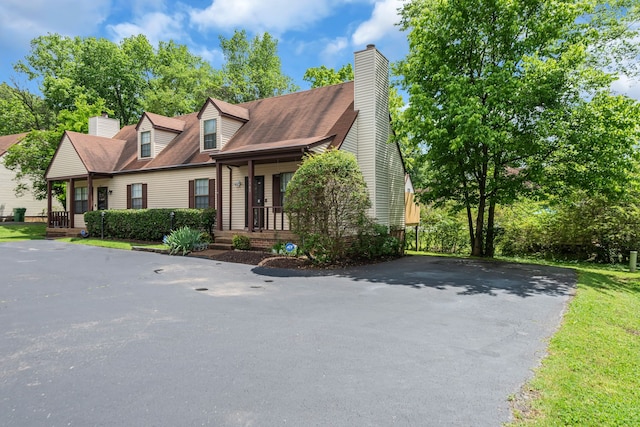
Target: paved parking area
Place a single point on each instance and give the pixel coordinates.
(94, 336)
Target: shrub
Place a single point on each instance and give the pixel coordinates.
(327, 201)
(241, 242)
(146, 224)
(183, 240)
(374, 241)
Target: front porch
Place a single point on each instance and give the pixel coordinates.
(263, 240)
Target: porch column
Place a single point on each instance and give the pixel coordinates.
(49, 204)
(89, 192)
(219, 196)
(70, 200)
(250, 196)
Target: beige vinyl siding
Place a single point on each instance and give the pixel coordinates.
(78, 219)
(209, 113)
(319, 149)
(103, 126)
(159, 140)
(350, 143)
(66, 162)
(165, 189)
(9, 200)
(228, 127)
(396, 187)
(384, 170)
(365, 102)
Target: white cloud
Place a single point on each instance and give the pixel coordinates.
(155, 25)
(383, 22)
(22, 20)
(258, 15)
(626, 86)
(335, 47)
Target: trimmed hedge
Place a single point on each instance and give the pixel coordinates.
(147, 224)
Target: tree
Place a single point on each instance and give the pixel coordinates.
(503, 92)
(182, 81)
(31, 157)
(323, 76)
(22, 111)
(326, 202)
(252, 69)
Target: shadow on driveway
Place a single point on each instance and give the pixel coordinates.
(470, 276)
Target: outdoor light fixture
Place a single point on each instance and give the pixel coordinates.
(237, 184)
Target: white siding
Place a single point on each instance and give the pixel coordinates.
(160, 139)
(209, 113)
(9, 200)
(319, 149)
(350, 143)
(371, 87)
(228, 127)
(103, 126)
(396, 187)
(66, 162)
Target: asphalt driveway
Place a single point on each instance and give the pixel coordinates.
(93, 336)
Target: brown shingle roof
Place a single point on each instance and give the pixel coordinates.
(288, 122)
(98, 154)
(163, 122)
(7, 141)
(226, 109)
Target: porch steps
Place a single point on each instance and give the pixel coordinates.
(54, 233)
(263, 240)
(222, 243)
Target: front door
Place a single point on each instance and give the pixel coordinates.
(258, 201)
(103, 198)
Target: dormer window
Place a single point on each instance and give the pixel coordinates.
(210, 134)
(145, 144)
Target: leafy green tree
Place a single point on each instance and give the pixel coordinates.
(502, 93)
(31, 157)
(22, 111)
(326, 202)
(323, 76)
(182, 81)
(252, 69)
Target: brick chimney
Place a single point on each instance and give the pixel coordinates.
(104, 126)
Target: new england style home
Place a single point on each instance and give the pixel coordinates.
(235, 158)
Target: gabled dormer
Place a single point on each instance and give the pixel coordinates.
(155, 132)
(219, 121)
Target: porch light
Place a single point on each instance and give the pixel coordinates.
(237, 184)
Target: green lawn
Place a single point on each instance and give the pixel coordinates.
(591, 376)
(12, 233)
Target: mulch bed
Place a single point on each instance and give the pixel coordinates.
(263, 259)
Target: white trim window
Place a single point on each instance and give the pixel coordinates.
(210, 128)
(145, 144)
(136, 196)
(201, 193)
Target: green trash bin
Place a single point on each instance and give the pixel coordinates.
(18, 214)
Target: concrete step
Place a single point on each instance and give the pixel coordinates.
(221, 246)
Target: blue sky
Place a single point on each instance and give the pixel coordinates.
(310, 32)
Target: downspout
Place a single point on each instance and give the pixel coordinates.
(230, 193)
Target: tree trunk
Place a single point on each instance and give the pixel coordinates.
(489, 245)
(477, 247)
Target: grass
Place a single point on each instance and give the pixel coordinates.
(591, 376)
(13, 233)
(98, 242)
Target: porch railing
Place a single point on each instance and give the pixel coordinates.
(269, 218)
(59, 219)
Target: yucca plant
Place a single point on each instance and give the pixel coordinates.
(183, 240)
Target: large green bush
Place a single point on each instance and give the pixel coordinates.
(326, 202)
(146, 224)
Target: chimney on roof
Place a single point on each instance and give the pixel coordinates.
(371, 100)
(104, 126)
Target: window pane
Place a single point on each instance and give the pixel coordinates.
(136, 191)
(210, 126)
(202, 187)
(145, 137)
(202, 202)
(136, 203)
(210, 141)
(145, 150)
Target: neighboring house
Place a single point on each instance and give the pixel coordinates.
(236, 158)
(8, 198)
